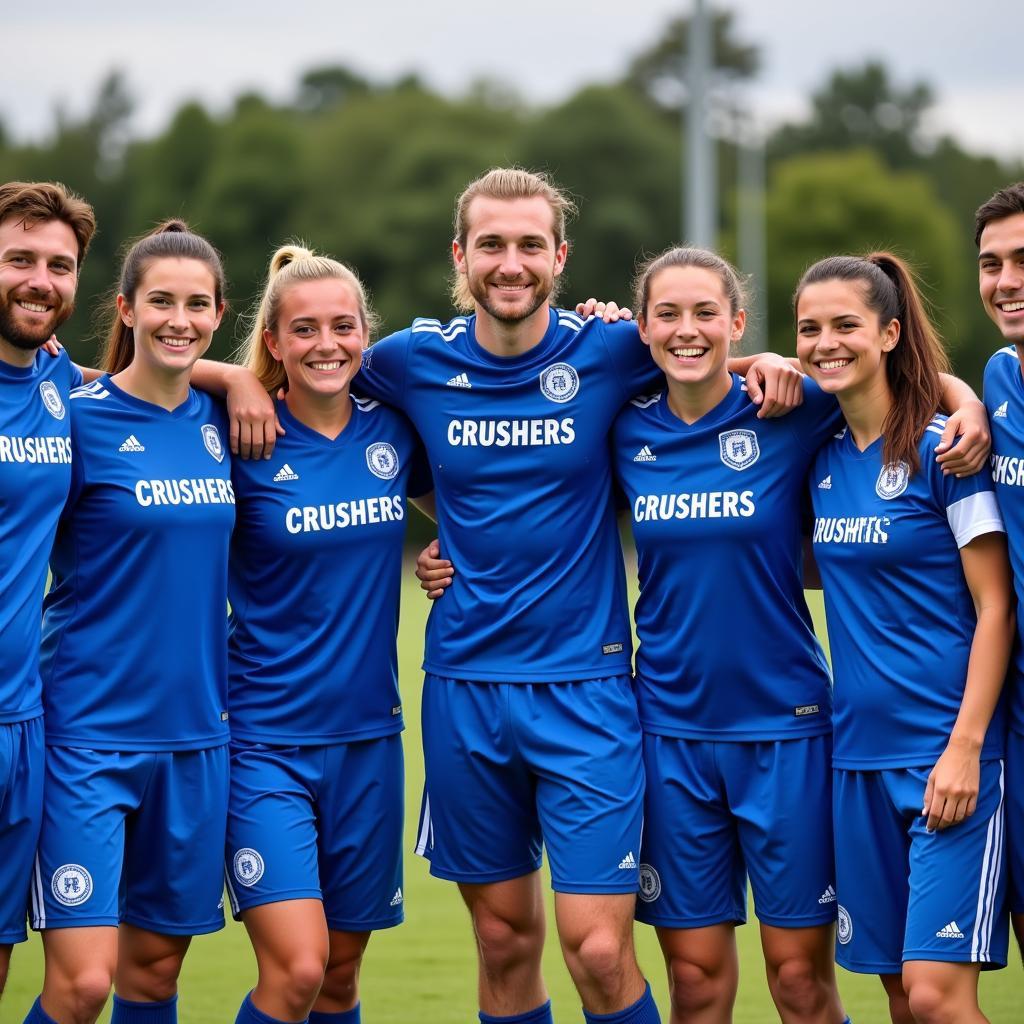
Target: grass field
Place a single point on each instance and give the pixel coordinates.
(425, 970)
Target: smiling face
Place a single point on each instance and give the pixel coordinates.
(173, 315)
(689, 325)
(840, 341)
(319, 337)
(510, 258)
(38, 276)
(1001, 275)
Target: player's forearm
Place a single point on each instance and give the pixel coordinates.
(215, 378)
(955, 393)
(986, 671)
(742, 364)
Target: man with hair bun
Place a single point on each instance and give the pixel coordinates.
(45, 231)
(999, 236)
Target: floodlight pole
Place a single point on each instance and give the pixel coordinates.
(751, 228)
(700, 191)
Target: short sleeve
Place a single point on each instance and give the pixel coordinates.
(384, 369)
(630, 357)
(816, 419)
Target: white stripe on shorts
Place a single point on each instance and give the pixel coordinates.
(232, 898)
(988, 884)
(421, 843)
(38, 906)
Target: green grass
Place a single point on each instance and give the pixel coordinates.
(425, 970)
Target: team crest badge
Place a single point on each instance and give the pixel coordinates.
(892, 481)
(51, 399)
(559, 382)
(382, 460)
(248, 866)
(211, 438)
(844, 927)
(738, 448)
(650, 884)
(71, 885)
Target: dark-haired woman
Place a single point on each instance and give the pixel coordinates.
(134, 656)
(917, 596)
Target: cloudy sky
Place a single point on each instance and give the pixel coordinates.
(213, 49)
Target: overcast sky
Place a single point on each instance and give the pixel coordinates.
(212, 49)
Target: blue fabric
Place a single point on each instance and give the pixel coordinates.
(643, 1011)
(250, 1014)
(538, 1015)
(127, 1012)
(37, 1015)
(352, 1016)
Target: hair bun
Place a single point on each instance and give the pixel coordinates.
(174, 225)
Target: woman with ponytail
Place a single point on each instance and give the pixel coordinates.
(133, 657)
(313, 855)
(917, 597)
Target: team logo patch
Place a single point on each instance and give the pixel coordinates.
(844, 926)
(892, 481)
(739, 448)
(382, 460)
(650, 884)
(248, 866)
(559, 382)
(211, 438)
(71, 885)
(51, 399)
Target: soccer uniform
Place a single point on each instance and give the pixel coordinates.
(315, 577)
(733, 688)
(35, 473)
(1004, 400)
(134, 666)
(901, 623)
(529, 721)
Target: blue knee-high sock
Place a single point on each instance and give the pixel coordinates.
(345, 1017)
(643, 1011)
(128, 1012)
(37, 1015)
(250, 1014)
(539, 1015)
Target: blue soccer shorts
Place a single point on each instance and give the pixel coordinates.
(1015, 817)
(717, 812)
(21, 807)
(512, 766)
(321, 822)
(909, 894)
(133, 837)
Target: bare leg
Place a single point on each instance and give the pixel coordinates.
(703, 972)
(80, 966)
(801, 973)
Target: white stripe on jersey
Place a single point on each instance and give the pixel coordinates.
(1010, 350)
(449, 333)
(988, 885)
(93, 390)
(570, 320)
(645, 401)
(934, 430)
(425, 828)
(973, 516)
(38, 906)
(365, 404)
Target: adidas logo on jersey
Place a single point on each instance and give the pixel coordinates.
(397, 899)
(1000, 413)
(285, 473)
(627, 862)
(645, 455)
(951, 931)
(132, 444)
(828, 896)
(826, 484)
(460, 380)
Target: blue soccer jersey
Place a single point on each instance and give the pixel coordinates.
(35, 473)
(134, 650)
(315, 578)
(518, 448)
(900, 616)
(1004, 400)
(727, 647)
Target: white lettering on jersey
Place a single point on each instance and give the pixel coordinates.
(510, 433)
(35, 449)
(699, 505)
(1006, 469)
(204, 491)
(851, 530)
(361, 512)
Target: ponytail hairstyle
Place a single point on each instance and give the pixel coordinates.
(912, 368)
(290, 265)
(171, 240)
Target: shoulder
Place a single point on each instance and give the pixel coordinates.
(426, 329)
(1001, 364)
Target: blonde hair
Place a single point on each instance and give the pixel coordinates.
(507, 183)
(290, 265)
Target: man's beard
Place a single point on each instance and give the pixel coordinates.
(26, 340)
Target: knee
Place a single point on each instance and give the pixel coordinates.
(600, 958)
(505, 942)
(301, 977)
(929, 1003)
(156, 979)
(88, 990)
(797, 988)
(341, 979)
(694, 987)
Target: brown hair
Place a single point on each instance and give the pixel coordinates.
(912, 368)
(292, 264)
(35, 202)
(688, 256)
(1004, 203)
(507, 183)
(171, 240)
